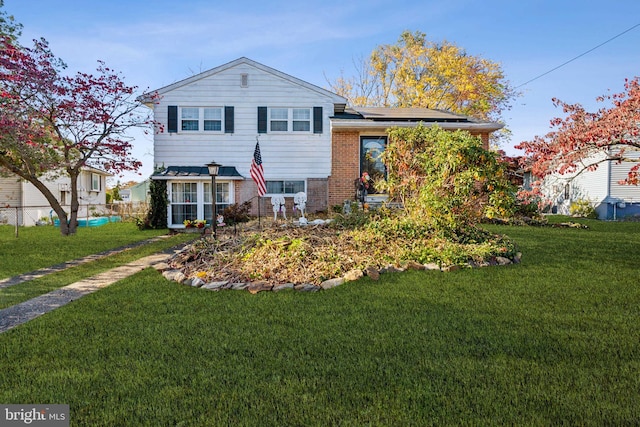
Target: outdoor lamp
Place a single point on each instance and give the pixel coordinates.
(214, 168)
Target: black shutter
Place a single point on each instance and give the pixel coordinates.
(228, 119)
(317, 119)
(172, 121)
(262, 119)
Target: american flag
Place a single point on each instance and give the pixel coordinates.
(257, 172)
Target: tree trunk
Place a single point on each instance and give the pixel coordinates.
(75, 204)
(54, 203)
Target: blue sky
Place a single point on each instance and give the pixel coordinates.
(155, 43)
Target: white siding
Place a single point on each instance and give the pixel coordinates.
(10, 191)
(619, 172)
(285, 155)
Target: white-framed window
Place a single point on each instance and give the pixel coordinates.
(290, 119)
(192, 200)
(286, 187)
(95, 182)
(184, 202)
(196, 119)
(223, 198)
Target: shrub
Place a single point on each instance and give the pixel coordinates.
(582, 209)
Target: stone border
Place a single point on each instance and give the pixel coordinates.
(372, 272)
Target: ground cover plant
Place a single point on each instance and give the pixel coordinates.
(443, 183)
(39, 247)
(553, 340)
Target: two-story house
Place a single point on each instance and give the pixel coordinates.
(309, 140)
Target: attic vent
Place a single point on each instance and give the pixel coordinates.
(244, 80)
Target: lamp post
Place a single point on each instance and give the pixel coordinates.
(214, 168)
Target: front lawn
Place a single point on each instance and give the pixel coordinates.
(553, 340)
(38, 247)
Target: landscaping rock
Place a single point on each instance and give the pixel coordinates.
(161, 267)
(174, 275)
(256, 287)
(372, 272)
(452, 268)
(197, 282)
(392, 269)
(503, 261)
(413, 265)
(278, 288)
(431, 266)
(331, 283)
(353, 275)
(307, 287)
(215, 286)
(517, 258)
(239, 286)
(187, 281)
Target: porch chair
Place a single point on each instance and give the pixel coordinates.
(278, 206)
(300, 202)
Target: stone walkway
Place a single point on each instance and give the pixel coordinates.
(18, 314)
(10, 281)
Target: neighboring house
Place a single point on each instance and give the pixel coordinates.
(140, 192)
(600, 187)
(309, 140)
(22, 201)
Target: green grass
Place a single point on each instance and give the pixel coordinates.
(21, 292)
(38, 247)
(554, 340)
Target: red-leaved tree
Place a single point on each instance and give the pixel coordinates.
(52, 123)
(582, 140)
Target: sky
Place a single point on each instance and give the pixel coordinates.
(156, 43)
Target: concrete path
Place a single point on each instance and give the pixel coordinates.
(18, 314)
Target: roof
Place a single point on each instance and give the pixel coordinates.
(410, 114)
(228, 172)
(337, 99)
(386, 117)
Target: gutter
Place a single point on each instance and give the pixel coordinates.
(359, 124)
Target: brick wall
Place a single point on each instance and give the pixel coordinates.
(345, 166)
(317, 194)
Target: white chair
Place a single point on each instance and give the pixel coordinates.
(278, 206)
(300, 202)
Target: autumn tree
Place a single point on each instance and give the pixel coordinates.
(417, 72)
(582, 140)
(446, 179)
(54, 123)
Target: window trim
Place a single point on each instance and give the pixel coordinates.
(92, 186)
(284, 181)
(200, 196)
(290, 121)
(201, 119)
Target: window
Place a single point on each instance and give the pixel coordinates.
(285, 187)
(279, 119)
(208, 119)
(190, 118)
(184, 202)
(301, 120)
(223, 199)
(213, 119)
(371, 148)
(286, 119)
(95, 182)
